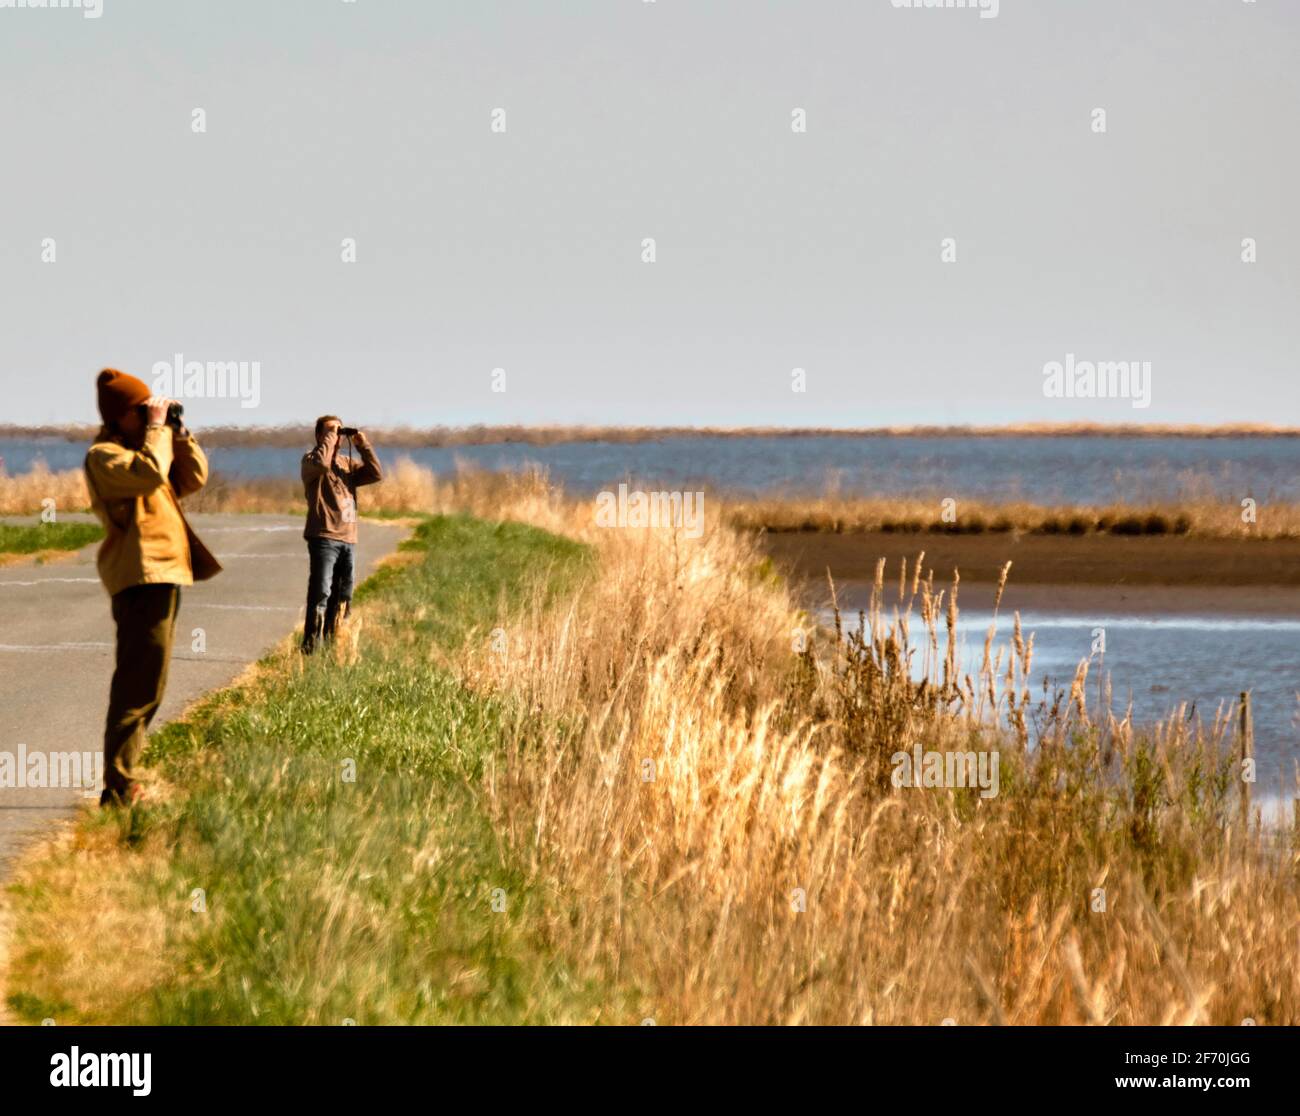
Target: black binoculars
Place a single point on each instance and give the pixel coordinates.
(174, 414)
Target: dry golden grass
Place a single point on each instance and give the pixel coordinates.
(6, 935)
(36, 557)
(1203, 517)
(407, 488)
(108, 914)
(25, 493)
(716, 807)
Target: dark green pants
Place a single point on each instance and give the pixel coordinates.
(146, 618)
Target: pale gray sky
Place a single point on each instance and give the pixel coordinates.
(671, 120)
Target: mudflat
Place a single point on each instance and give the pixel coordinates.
(1122, 562)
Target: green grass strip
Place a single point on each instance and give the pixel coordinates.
(47, 536)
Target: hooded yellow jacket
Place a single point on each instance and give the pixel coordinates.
(135, 494)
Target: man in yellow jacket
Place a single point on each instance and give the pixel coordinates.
(137, 470)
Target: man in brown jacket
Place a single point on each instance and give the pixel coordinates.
(136, 472)
(330, 484)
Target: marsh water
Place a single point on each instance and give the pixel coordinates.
(1044, 470)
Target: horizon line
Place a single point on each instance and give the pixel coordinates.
(543, 434)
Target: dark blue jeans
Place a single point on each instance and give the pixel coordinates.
(329, 589)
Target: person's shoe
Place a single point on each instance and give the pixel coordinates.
(115, 800)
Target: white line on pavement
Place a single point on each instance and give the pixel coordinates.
(54, 646)
(48, 580)
(241, 608)
(45, 648)
(238, 530)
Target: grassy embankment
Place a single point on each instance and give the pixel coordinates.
(325, 898)
(684, 796)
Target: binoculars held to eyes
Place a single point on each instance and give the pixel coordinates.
(175, 413)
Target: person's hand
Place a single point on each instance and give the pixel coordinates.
(157, 406)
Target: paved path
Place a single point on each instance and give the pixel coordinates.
(56, 644)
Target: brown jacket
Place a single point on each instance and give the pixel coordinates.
(135, 493)
(330, 484)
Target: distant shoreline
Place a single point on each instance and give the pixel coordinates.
(441, 436)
